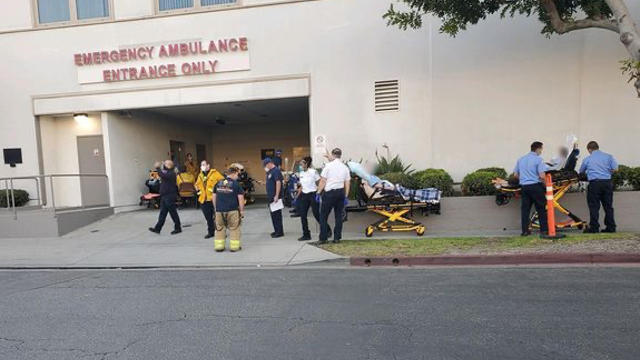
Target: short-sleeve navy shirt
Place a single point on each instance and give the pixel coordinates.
(227, 192)
(273, 176)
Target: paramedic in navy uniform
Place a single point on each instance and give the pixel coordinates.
(168, 197)
(334, 189)
(530, 172)
(599, 166)
(274, 189)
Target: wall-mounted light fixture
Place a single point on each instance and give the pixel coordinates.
(81, 117)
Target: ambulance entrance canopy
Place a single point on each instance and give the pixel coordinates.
(222, 132)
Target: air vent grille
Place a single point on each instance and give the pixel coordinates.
(387, 95)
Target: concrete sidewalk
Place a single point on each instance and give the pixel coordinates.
(123, 240)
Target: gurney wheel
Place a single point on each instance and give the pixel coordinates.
(368, 232)
(420, 231)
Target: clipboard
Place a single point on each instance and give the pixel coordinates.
(275, 206)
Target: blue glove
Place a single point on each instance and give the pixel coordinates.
(346, 201)
(318, 198)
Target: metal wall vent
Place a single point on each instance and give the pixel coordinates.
(387, 95)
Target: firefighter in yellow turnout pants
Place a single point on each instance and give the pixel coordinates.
(207, 179)
(228, 198)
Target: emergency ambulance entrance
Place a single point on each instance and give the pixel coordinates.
(225, 122)
(237, 132)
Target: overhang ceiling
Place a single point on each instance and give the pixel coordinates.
(233, 113)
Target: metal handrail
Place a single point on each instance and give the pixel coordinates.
(40, 179)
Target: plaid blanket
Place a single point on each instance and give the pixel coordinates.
(429, 195)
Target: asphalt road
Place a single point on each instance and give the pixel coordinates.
(452, 313)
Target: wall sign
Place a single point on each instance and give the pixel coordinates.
(163, 60)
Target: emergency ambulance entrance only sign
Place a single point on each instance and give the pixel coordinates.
(163, 60)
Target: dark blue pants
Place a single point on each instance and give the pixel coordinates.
(168, 205)
(332, 200)
(303, 203)
(276, 220)
(209, 212)
(600, 191)
(534, 195)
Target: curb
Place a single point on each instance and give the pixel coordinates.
(516, 259)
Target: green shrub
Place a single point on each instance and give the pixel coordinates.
(434, 178)
(403, 179)
(622, 177)
(634, 178)
(500, 172)
(478, 183)
(21, 197)
(395, 165)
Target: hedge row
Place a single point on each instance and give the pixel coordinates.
(20, 197)
(429, 178)
(478, 183)
(627, 177)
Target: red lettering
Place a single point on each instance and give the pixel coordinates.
(106, 75)
(213, 65)
(174, 50)
(184, 49)
(163, 71)
(153, 72)
(193, 48)
(96, 57)
(87, 59)
(77, 58)
(114, 56)
(131, 54)
(163, 52)
(186, 69)
(222, 45)
(123, 55)
(243, 44)
(104, 57)
(143, 73)
(172, 69)
(133, 74)
(115, 75)
(212, 47)
(233, 44)
(150, 51)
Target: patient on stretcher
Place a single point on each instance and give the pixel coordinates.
(376, 188)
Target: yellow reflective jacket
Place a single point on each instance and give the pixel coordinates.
(205, 185)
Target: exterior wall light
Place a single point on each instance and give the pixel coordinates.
(81, 118)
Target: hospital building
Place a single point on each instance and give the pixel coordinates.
(110, 86)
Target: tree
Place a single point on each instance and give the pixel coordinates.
(558, 16)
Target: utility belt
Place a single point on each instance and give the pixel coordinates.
(334, 190)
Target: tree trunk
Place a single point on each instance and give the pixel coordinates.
(629, 33)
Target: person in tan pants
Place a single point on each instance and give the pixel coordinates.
(228, 198)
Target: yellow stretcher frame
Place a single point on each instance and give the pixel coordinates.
(559, 190)
(395, 219)
(573, 221)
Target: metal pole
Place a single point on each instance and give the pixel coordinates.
(13, 202)
(38, 190)
(6, 186)
(53, 200)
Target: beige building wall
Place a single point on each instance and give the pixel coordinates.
(135, 143)
(467, 102)
(242, 143)
(60, 154)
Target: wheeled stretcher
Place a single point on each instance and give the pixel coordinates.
(396, 206)
(563, 180)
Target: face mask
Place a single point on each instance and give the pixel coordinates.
(203, 168)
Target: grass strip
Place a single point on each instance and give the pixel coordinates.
(437, 246)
